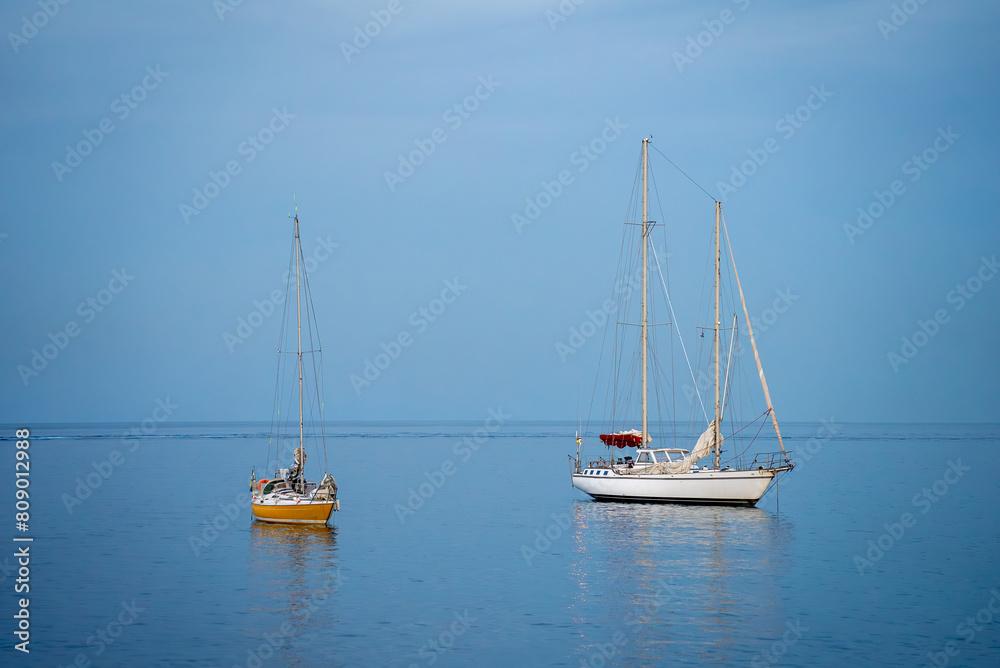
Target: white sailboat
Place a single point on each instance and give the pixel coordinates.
(673, 474)
(289, 498)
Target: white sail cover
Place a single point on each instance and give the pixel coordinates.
(705, 444)
(634, 432)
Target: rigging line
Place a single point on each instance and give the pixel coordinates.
(729, 361)
(313, 324)
(604, 338)
(320, 383)
(663, 225)
(762, 423)
(662, 384)
(748, 424)
(673, 317)
(685, 174)
(756, 356)
(658, 384)
(673, 386)
(288, 411)
(276, 407)
(741, 378)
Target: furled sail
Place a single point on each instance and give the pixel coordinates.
(297, 469)
(704, 446)
(326, 489)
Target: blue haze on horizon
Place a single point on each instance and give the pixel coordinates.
(343, 122)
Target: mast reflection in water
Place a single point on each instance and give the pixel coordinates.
(678, 574)
(294, 575)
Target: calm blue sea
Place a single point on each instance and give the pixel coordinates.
(885, 551)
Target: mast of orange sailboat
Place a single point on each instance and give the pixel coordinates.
(298, 316)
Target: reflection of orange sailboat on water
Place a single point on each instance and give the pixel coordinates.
(294, 576)
(288, 498)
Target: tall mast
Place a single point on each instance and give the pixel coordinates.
(645, 169)
(298, 317)
(718, 257)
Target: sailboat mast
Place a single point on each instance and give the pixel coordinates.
(645, 169)
(298, 318)
(718, 274)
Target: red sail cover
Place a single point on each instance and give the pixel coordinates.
(622, 440)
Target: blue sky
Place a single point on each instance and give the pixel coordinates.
(712, 82)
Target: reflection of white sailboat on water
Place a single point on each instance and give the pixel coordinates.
(711, 570)
(672, 474)
(289, 498)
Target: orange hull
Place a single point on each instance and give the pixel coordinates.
(299, 513)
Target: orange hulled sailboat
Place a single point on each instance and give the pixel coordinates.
(289, 498)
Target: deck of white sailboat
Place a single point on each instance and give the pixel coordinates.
(727, 485)
(649, 457)
(624, 472)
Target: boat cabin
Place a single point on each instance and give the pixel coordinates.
(645, 458)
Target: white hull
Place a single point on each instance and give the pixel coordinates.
(738, 488)
(670, 475)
